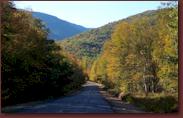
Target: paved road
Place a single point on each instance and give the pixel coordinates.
(87, 100)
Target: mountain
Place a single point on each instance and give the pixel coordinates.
(59, 29)
(89, 44)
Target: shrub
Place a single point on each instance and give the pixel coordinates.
(127, 98)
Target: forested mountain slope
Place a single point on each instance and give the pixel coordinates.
(88, 45)
(59, 29)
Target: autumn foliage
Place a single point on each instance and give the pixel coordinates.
(141, 58)
(33, 67)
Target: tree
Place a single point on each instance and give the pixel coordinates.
(93, 76)
(137, 54)
(32, 66)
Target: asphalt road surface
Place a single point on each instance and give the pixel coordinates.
(87, 100)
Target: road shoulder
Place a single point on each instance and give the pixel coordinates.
(119, 106)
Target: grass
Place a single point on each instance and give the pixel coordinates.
(154, 103)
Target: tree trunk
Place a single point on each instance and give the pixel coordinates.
(145, 87)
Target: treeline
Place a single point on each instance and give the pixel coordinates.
(141, 61)
(32, 66)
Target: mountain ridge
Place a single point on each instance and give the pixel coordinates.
(59, 29)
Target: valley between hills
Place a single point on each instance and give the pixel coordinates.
(50, 65)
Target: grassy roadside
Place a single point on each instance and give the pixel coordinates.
(157, 103)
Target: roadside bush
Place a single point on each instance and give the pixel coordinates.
(127, 98)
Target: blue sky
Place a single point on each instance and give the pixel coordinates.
(90, 14)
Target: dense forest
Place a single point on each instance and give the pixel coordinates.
(33, 67)
(135, 58)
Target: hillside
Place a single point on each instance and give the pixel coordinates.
(89, 44)
(59, 29)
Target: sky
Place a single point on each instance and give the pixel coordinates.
(90, 14)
